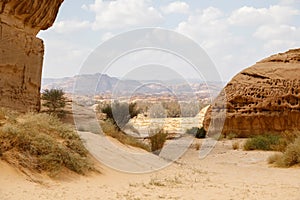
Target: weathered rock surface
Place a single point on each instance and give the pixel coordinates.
(264, 98)
(144, 125)
(21, 56)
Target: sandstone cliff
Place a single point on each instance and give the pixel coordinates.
(263, 98)
(22, 53)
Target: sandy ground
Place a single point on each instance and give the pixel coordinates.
(223, 174)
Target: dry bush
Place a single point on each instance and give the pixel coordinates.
(235, 145)
(274, 158)
(41, 142)
(109, 128)
(289, 144)
(291, 155)
(157, 140)
(286, 138)
(197, 146)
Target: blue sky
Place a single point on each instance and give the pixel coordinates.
(234, 33)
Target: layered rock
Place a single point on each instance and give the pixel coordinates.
(264, 98)
(170, 125)
(21, 56)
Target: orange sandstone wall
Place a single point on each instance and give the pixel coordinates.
(21, 56)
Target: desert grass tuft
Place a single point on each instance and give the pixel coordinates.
(41, 142)
(290, 157)
(235, 145)
(274, 158)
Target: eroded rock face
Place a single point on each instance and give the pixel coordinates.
(21, 56)
(264, 98)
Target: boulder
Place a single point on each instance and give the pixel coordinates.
(264, 98)
(21, 56)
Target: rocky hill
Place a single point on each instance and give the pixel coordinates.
(263, 98)
(91, 84)
(21, 57)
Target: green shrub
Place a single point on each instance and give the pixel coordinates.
(197, 132)
(55, 101)
(262, 142)
(157, 140)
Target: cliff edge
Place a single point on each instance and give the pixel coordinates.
(21, 56)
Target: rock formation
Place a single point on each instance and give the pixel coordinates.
(21, 56)
(264, 98)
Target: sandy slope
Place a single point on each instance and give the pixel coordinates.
(224, 174)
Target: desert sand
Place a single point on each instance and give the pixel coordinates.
(224, 174)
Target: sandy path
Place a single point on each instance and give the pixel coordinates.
(223, 174)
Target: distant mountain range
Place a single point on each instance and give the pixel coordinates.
(102, 83)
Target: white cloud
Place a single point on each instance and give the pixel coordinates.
(270, 32)
(176, 7)
(250, 16)
(208, 27)
(242, 37)
(106, 36)
(69, 26)
(281, 37)
(123, 14)
(233, 39)
(280, 45)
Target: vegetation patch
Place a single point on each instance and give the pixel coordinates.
(110, 129)
(197, 132)
(231, 136)
(54, 101)
(235, 145)
(287, 144)
(157, 140)
(290, 157)
(262, 142)
(120, 113)
(41, 142)
(271, 142)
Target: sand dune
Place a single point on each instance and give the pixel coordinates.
(223, 174)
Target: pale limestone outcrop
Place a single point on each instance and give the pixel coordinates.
(21, 56)
(264, 98)
(144, 125)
